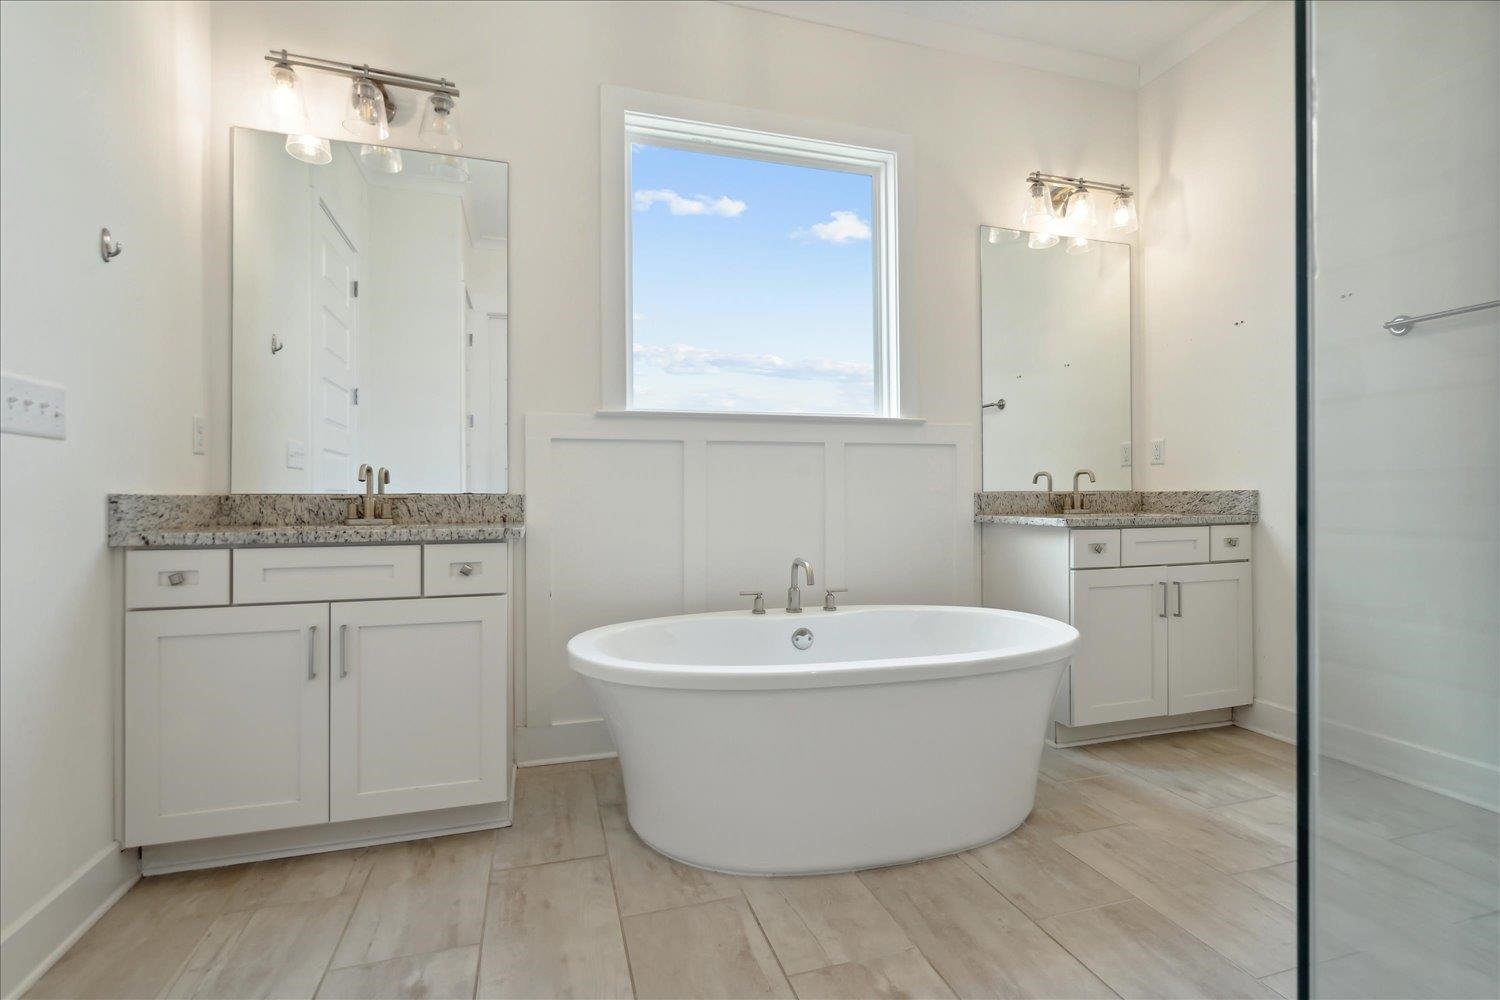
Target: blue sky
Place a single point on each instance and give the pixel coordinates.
(753, 284)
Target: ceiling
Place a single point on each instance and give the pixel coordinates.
(1123, 42)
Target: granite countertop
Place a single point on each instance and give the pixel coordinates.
(261, 519)
(1120, 508)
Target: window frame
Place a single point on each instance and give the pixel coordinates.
(628, 117)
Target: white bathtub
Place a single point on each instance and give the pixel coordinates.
(900, 733)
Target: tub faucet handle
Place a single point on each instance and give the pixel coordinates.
(829, 601)
(759, 607)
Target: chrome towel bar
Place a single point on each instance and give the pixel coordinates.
(1399, 326)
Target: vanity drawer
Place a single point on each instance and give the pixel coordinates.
(1163, 546)
(176, 578)
(1094, 548)
(465, 568)
(1229, 542)
(336, 573)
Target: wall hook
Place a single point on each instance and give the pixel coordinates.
(109, 247)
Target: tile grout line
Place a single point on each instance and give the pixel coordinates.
(925, 957)
(328, 965)
(489, 887)
(614, 890)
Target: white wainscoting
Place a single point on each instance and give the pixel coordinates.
(637, 517)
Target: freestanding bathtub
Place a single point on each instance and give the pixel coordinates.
(899, 733)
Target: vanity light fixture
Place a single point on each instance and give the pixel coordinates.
(370, 110)
(1058, 206)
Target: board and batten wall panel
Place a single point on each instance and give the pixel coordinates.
(638, 517)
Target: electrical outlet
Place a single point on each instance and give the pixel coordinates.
(200, 436)
(1158, 451)
(1125, 454)
(37, 409)
(296, 454)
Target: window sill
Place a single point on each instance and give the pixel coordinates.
(789, 418)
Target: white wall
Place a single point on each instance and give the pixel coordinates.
(1215, 352)
(119, 141)
(1406, 468)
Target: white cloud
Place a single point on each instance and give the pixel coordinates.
(698, 204)
(842, 227)
(684, 359)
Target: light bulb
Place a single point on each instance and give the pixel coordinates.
(450, 168)
(1078, 214)
(385, 159)
(440, 124)
(1036, 212)
(367, 111)
(1078, 245)
(286, 100)
(1041, 241)
(309, 149)
(1122, 217)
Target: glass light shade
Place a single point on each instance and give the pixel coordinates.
(1036, 211)
(440, 125)
(1078, 214)
(366, 117)
(309, 149)
(1078, 245)
(1122, 217)
(1041, 241)
(288, 105)
(385, 159)
(450, 168)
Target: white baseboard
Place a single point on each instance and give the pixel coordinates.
(214, 852)
(39, 937)
(1462, 778)
(563, 742)
(1269, 719)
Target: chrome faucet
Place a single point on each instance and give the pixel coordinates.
(370, 509)
(1048, 476)
(1075, 502)
(382, 480)
(367, 476)
(794, 593)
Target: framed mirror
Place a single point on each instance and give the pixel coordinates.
(1054, 360)
(370, 314)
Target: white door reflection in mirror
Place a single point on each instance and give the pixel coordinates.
(369, 315)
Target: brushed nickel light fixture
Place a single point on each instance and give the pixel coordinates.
(1057, 208)
(370, 111)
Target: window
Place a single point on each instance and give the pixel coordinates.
(760, 272)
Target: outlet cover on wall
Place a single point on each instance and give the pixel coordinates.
(1158, 451)
(37, 409)
(1125, 454)
(200, 436)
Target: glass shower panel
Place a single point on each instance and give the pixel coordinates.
(1405, 491)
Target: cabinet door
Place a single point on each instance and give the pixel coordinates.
(418, 713)
(1209, 643)
(226, 721)
(1120, 669)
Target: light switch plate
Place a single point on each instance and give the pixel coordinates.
(200, 436)
(1124, 454)
(296, 454)
(1158, 451)
(27, 406)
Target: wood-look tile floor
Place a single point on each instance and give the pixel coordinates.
(1154, 868)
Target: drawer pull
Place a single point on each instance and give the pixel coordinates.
(176, 578)
(1163, 600)
(312, 653)
(1232, 542)
(1096, 547)
(343, 650)
(466, 569)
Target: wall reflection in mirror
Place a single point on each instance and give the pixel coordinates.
(370, 319)
(1055, 360)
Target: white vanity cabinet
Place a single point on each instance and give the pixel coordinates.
(278, 710)
(1163, 613)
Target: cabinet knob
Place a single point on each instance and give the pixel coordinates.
(467, 569)
(1096, 547)
(176, 579)
(1232, 542)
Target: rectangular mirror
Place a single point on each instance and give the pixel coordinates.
(370, 302)
(1055, 361)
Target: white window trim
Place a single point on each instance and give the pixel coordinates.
(663, 119)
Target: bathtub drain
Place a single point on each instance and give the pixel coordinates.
(802, 638)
